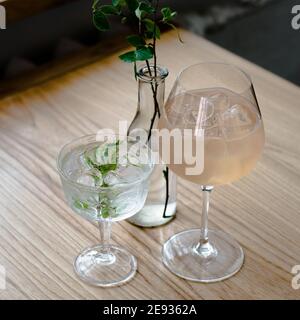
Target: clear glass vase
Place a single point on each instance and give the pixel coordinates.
(160, 206)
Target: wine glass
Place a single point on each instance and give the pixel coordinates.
(216, 102)
(105, 179)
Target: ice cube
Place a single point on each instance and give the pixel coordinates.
(97, 176)
(213, 132)
(83, 162)
(220, 101)
(236, 116)
(112, 178)
(130, 173)
(89, 178)
(191, 116)
(236, 122)
(86, 180)
(202, 115)
(137, 156)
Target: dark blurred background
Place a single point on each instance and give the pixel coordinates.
(48, 33)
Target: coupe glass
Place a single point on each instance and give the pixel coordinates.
(216, 102)
(105, 179)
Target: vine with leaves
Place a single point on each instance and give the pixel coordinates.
(147, 17)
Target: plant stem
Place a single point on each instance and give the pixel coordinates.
(154, 91)
(154, 88)
(154, 37)
(166, 175)
(149, 70)
(156, 105)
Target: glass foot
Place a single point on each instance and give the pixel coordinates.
(217, 260)
(101, 267)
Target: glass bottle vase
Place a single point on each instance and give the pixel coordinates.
(160, 206)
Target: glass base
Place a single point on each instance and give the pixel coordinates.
(101, 267)
(217, 260)
(152, 215)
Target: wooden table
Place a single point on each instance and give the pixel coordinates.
(40, 235)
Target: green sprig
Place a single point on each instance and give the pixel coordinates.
(148, 18)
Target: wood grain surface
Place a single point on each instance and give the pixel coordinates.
(40, 236)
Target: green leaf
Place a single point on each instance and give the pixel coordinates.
(81, 204)
(105, 168)
(124, 20)
(157, 32)
(97, 179)
(128, 57)
(95, 4)
(106, 209)
(149, 24)
(105, 212)
(107, 157)
(109, 9)
(136, 41)
(168, 14)
(143, 9)
(132, 4)
(118, 3)
(100, 21)
(150, 34)
(139, 13)
(143, 54)
(152, 30)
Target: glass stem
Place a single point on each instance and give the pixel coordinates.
(204, 248)
(105, 231)
(105, 234)
(205, 208)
